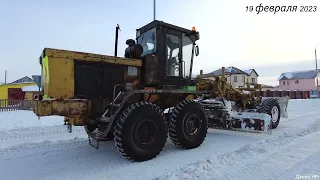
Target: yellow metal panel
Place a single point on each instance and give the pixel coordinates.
(57, 53)
(60, 107)
(3, 92)
(59, 78)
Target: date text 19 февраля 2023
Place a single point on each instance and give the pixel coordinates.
(275, 9)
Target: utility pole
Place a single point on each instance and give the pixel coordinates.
(5, 77)
(154, 9)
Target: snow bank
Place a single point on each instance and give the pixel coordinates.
(25, 119)
(209, 168)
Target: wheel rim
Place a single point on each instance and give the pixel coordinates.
(192, 125)
(145, 132)
(274, 114)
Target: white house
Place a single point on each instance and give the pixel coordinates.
(253, 76)
(236, 77)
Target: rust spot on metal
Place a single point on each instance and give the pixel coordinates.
(60, 107)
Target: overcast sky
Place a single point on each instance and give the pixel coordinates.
(229, 36)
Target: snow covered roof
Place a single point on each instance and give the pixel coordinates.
(249, 71)
(30, 88)
(229, 70)
(307, 74)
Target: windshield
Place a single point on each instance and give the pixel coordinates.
(148, 41)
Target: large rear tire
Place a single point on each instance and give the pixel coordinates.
(188, 124)
(271, 106)
(140, 132)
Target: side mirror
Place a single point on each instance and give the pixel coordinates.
(197, 50)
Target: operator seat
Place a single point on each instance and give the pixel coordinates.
(171, 66)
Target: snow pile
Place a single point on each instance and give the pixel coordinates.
(25, 119)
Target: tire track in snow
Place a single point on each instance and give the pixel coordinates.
(280, 161)
(35, 134)
(41, 148)
(232, 165)
(307, 167)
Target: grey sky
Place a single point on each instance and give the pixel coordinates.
(229, 36)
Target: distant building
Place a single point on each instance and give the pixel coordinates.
(298, 80)
(236, 77)
(14, 90)
(253, 76)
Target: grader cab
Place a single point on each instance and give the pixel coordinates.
(126, 99)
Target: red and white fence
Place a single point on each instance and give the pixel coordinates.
(13, 105)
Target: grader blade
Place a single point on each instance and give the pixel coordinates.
(249, 122)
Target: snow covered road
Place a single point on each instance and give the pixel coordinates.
(29, 150)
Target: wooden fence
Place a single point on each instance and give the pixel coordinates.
(13, 105)
(291, 94)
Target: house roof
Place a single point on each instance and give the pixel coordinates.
(308, 74)
(228, 71)
(25, 79)
(249, 71)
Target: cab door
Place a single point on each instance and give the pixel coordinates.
(173, 58)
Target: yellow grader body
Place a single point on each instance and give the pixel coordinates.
(141, 99)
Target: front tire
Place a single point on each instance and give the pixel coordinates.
(188, 125)
(140, 132)
(271, 107)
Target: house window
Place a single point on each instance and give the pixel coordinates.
(284, 83)
(287, 82)
(296, 82)
(253, 80)
(243, 79)
(235, 79)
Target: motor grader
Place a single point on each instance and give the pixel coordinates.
(142, 98)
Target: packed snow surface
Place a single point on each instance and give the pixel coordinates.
(33, 148)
